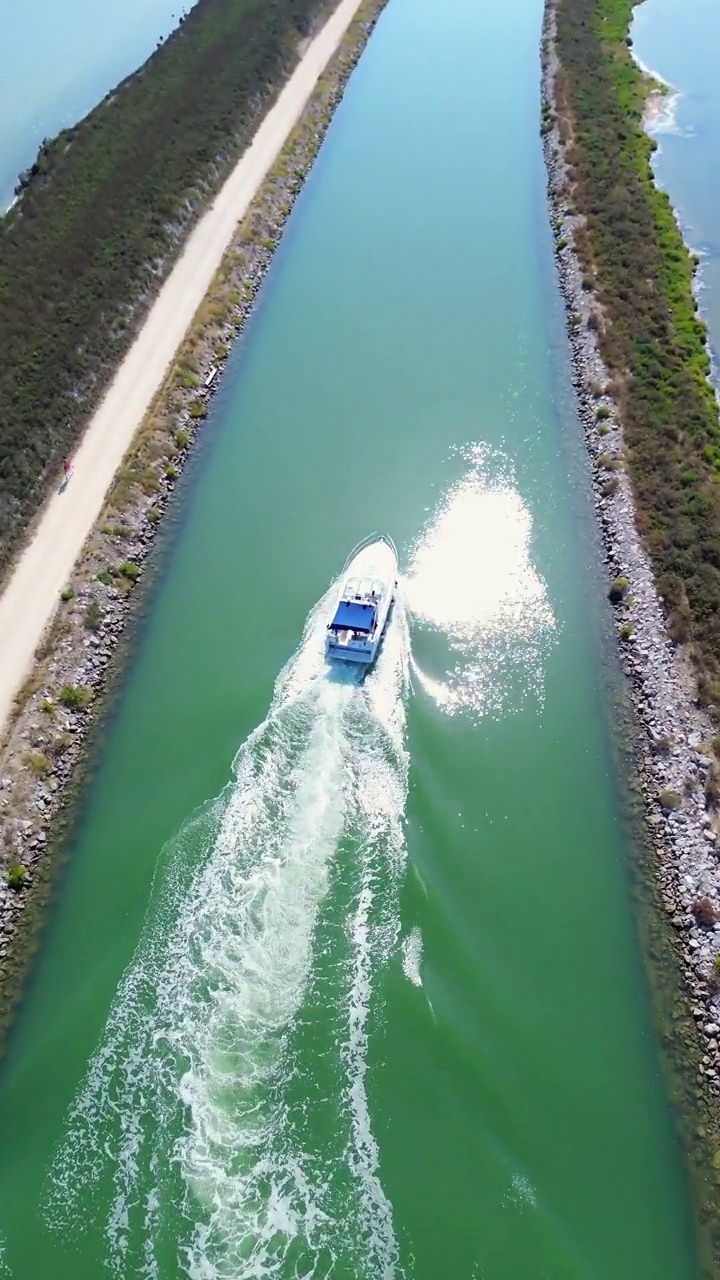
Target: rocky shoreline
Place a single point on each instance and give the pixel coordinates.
(50, 736)
(673, 749)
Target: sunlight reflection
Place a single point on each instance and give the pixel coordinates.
(472, 580)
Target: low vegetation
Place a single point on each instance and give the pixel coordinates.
(618, 590)
(37, 762)
(76, 696)
(92, 617)
(17, 875)
(652, 339)
(100, 219)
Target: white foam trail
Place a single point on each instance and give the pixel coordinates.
(412, 957)
(381, 793)
(190, 1110)
(472, 580)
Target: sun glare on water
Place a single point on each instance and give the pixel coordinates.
(472, 581)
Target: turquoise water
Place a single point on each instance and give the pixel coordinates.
(58, 61)
(681, 42)
(342, 979)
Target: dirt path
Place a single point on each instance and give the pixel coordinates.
(29, 599)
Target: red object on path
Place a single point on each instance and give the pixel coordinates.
(67, 467)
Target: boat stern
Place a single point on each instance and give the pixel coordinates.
(345, 647)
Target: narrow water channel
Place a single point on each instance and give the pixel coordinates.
(344, 981)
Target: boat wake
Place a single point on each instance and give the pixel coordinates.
(224, 1124)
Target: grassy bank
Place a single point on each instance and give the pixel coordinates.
(651, 337)
(101, 217)
(634, 292)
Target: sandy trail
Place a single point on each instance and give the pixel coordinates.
(31, 594)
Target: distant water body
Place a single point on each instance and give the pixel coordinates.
(680, 40)
(59, 60)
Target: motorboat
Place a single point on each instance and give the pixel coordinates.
(369, 583)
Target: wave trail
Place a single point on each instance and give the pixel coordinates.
(224, 1122)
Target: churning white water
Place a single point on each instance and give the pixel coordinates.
(204, 1093)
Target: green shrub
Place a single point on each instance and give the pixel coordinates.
(76, 696)
(182, 439)
(48, 706)
(626, 631)
(37, 762)
(129, 570)
(171, 471)
(669, 800)
(602, 412)
(60, 743)
(93, 616)
(106, 576)
(198, 409)
(618, 590)
(17, 875)
(67, 593)
(609, 486)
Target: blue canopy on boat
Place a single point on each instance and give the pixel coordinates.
(353, 615)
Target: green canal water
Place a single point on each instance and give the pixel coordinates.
(342, 980)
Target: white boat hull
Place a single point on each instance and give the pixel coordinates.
(369, 582)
